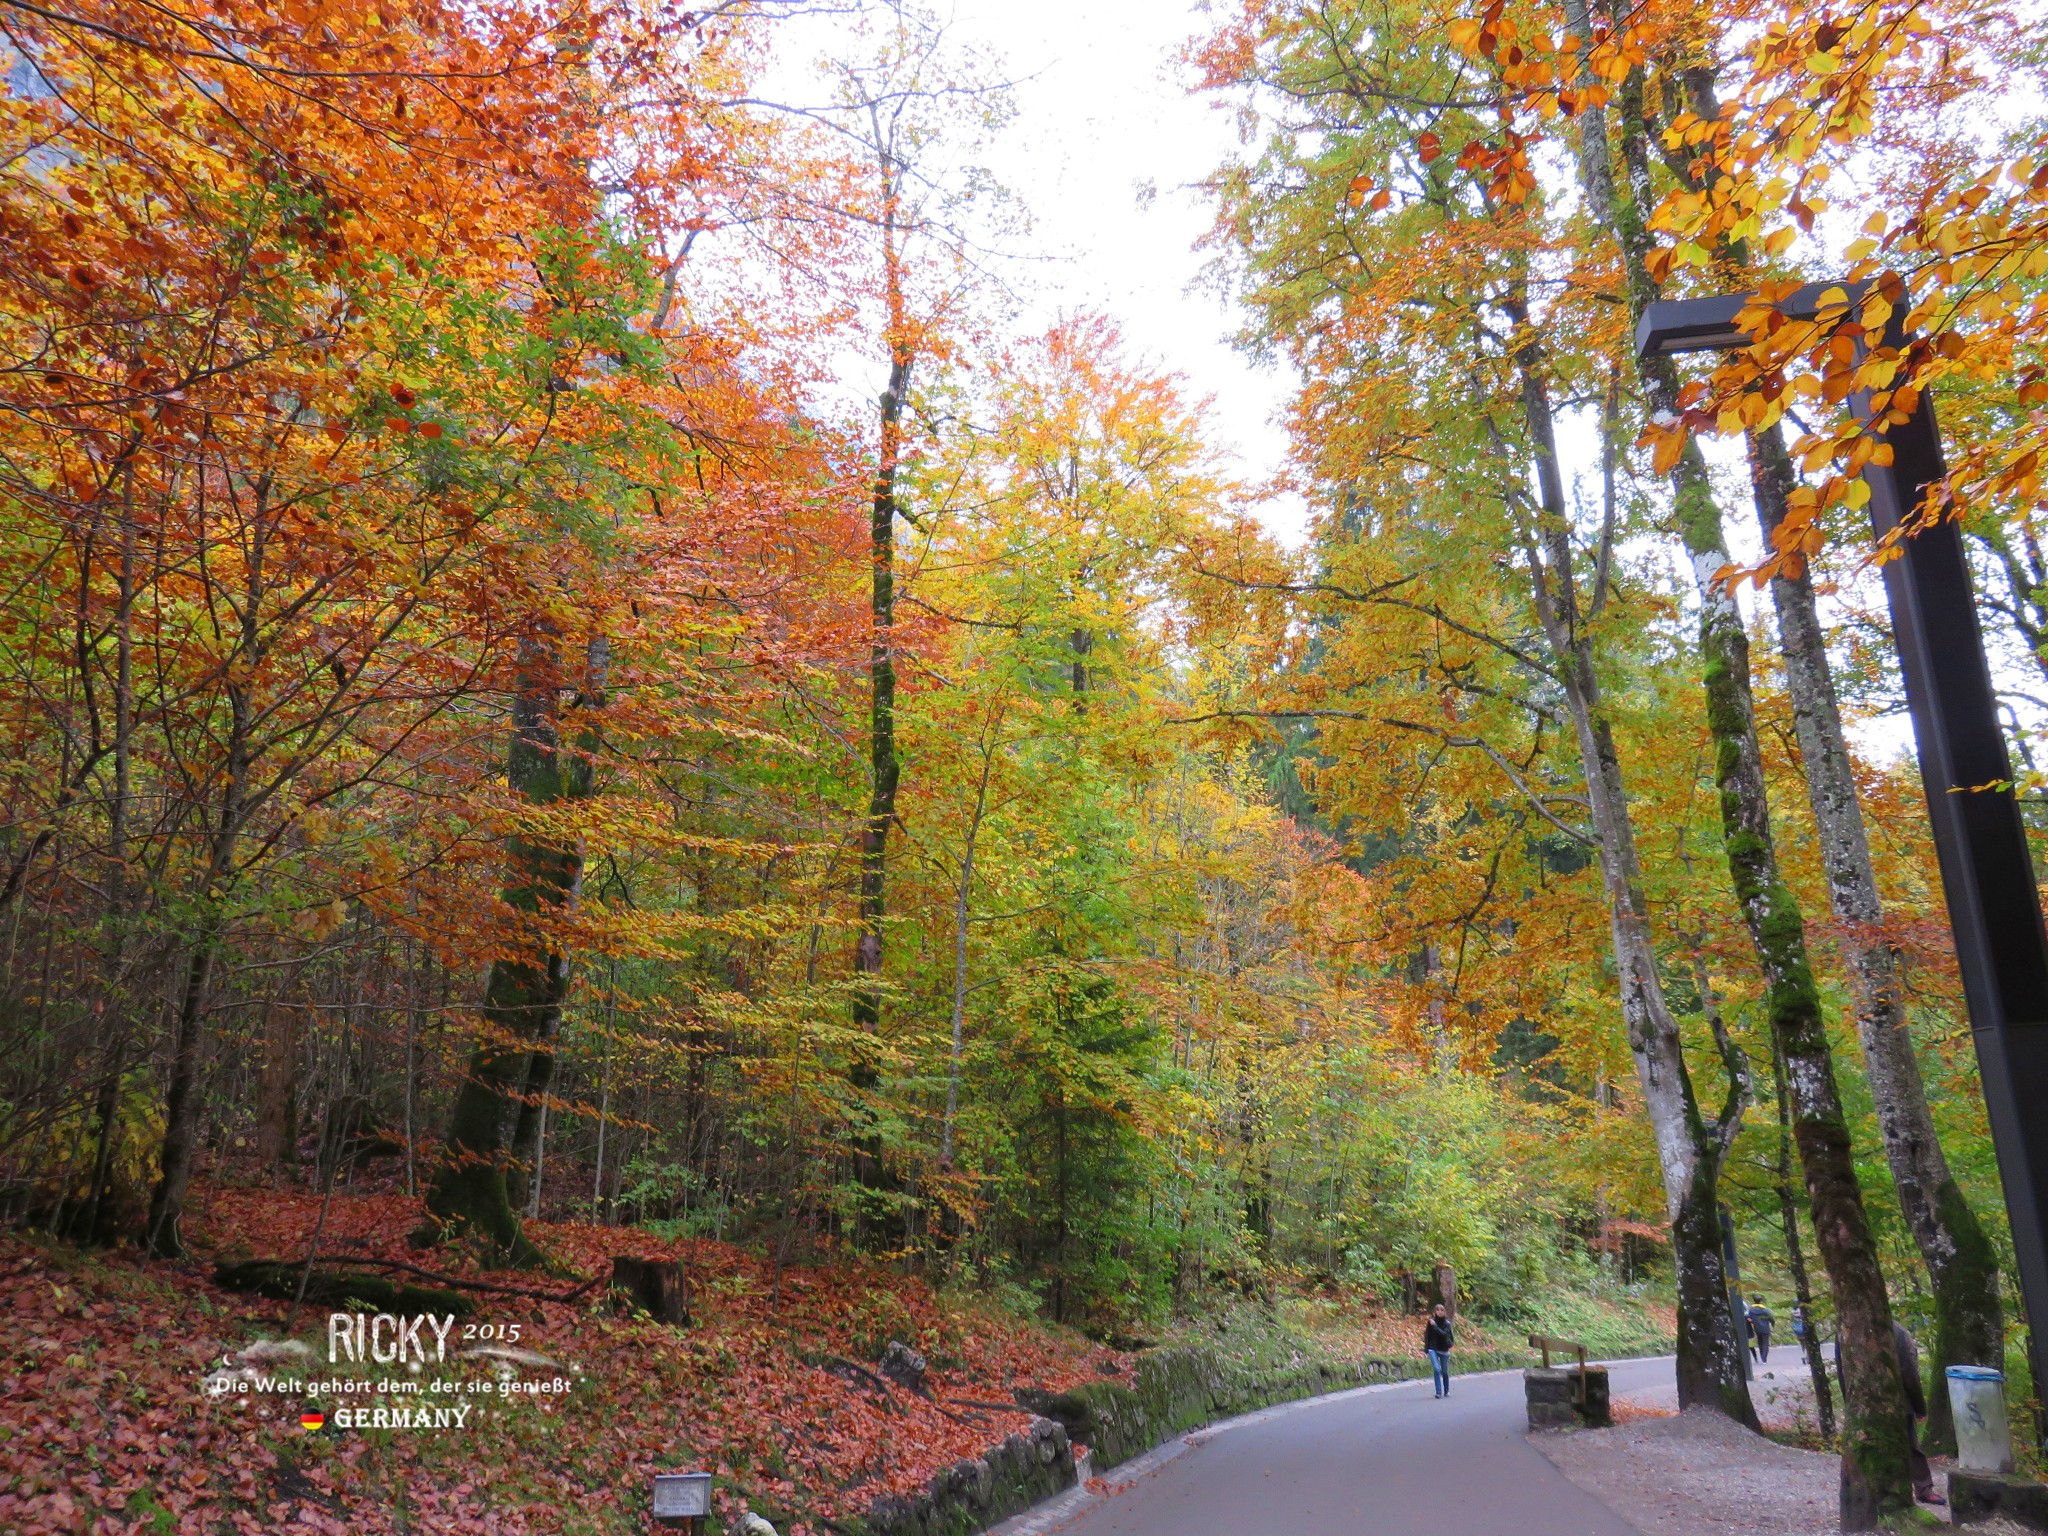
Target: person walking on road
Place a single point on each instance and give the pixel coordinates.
(1760, 1321)
(1436, 1343)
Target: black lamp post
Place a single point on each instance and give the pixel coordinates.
(1994, 906)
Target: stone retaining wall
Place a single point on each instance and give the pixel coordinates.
(971, 1496)
(1175, 1390)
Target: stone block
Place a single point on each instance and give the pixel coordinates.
(1595, 1411)
(1974, 1497)
(1547, 1385)
(1552, 1416)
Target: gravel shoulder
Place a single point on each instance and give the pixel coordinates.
(1699, 1474)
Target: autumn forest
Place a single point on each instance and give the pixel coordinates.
(579, 675)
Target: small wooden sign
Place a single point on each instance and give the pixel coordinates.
(681, 1496)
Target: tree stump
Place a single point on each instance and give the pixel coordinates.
(653, 1286)
(1447, 1288)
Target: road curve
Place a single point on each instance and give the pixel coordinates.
(1380, 1461)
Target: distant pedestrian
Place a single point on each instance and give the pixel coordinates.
(1436, 1343)
(1760, 1321)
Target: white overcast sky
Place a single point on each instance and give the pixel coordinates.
(1102, 109)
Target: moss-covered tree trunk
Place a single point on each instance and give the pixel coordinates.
(523, 997)
(1875, 1481)
(1962, 1266)
(1874, 1472)
(880, 1218)
(1690, 1149)
(1795, 1254)
(884, 769)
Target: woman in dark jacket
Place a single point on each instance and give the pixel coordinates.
(1436, 1343)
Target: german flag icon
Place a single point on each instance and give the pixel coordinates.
(310, 1420)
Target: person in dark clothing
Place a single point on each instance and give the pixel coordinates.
(1760, 1321)
(1436, 1343)
(1908, 1355)
(1916, 1410)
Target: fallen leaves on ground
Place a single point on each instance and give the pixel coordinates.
(105, 1428)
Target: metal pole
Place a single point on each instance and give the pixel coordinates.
(1987, 870)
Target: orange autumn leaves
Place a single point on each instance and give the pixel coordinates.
(1889, 148)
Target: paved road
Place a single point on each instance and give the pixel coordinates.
(1389, 1461)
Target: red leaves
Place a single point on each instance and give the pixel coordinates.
(739, 1390)
(1428, 146)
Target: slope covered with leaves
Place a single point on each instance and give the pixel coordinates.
(105, 1426)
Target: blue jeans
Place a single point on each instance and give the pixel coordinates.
(1440, 1370)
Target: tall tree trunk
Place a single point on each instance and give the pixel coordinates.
(578, 783)
(884, 771)
(962, 905)
(277, 1118)
(1689, 1149)
(530, 1120)
(884, 768)
(120, 1005)
(523, 998)
(1795, 1252)
(1962, 1266)
(161, 1236)
(1875, 1480)
(181, 1101)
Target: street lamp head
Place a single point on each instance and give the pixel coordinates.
(1691, 325)
(1671, 326)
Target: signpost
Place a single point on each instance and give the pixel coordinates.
(1987, 873)
(682, 1499)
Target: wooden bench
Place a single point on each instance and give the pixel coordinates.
(1547, 1343)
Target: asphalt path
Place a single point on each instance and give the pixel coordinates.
(1379, 1461)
